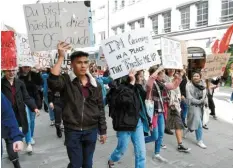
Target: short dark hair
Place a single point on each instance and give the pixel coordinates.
(78, 54)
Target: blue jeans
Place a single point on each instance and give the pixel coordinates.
(80, 146)
(161, 128)
(51, 112)
(184, 111)
(31, 116)
(137, 137)
(153, 137)
(199, 132)
(232, 96)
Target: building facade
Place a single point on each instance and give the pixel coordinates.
(198, 22)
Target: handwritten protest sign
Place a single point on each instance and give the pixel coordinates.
(215, 65)
(24, 57)
(48, 23)
(171, 53)
(129, 50)
(42, 59)
(66, 62)
(8, 50)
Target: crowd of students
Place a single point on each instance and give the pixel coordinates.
(78, 100)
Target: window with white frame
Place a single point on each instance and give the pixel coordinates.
(202, 14)
(141, 23)
(102, 35)
(227, 10)
(167, 22)
(154, 20)
(132, 25)
(185, 17)
(131, 2)
(122, 27)
(114, 30)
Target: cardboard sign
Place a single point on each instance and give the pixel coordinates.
(8, 50)
(42, 59)
(171, 53)
(24, 57)
(49, 23)
(129, 50)
(215, 65)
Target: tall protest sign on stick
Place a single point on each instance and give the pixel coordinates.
(129, 50)
(8, 50)
(215, 65)
(171, 53)
(24, 56)
(49, 23)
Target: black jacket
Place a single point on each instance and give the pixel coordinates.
(33, 82)
(56, 98)
(183, 86)
(21, 98)
(79, 113)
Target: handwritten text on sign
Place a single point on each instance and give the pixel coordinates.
(24, 56)
(42, 59)
(215, 65)
(129, 50)
(8, 50)
(47, 23)
(171, 53)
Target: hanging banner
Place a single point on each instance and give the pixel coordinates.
(8, 50)
(24, 56)
(171, 53)
(49, 23)
(215, 65)
(129, 50)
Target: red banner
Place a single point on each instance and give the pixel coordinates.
(8, 50)
(224, 44)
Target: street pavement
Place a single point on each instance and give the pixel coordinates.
(50, 152)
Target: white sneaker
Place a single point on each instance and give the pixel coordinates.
(163, 146)
(159, 158)
(52, 123)
(29, 148)
(201, 144)
(33, 142)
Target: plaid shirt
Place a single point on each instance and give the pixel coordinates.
(159, 101)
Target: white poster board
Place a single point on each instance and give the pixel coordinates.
(24, 56)
(171, 53)
(42, 59)
(49, 23)
(129, 50)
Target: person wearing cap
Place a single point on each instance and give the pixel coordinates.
(15, 90)
(32, 81)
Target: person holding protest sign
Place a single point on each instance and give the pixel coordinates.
(196, 96)
(32, 81)
(15, 90)
(130, 120)
(83, 114)
(10, 128)
(160, 91)
(174, 120)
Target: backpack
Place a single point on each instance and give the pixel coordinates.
(124, 108)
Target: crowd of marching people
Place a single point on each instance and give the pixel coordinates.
(141, 110)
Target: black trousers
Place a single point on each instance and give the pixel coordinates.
(57, 114)
(9, 147)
